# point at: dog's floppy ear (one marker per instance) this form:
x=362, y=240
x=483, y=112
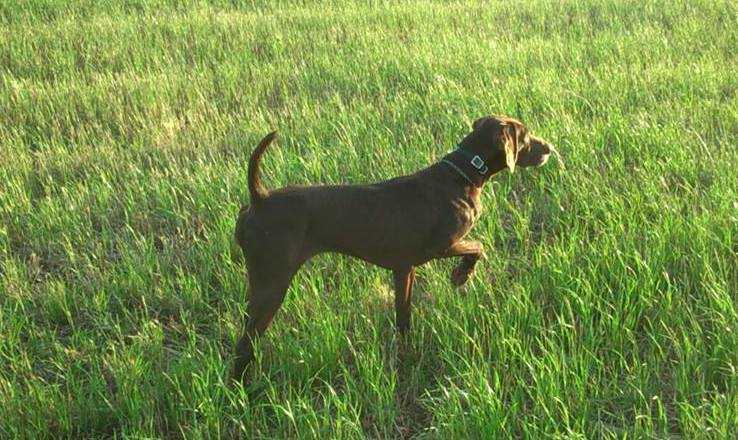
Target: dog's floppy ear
x=511, y=146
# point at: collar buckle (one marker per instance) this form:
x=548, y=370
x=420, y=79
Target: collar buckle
x=478, y=163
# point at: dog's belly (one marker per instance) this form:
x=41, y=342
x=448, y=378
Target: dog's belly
x=378, y=239
x=389, y=227
x=387, y=255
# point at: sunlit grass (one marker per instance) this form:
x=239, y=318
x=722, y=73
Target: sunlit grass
x=606, y=306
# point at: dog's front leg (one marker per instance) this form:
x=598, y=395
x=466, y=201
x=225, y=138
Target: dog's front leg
x=471, y=252
x=403, y=295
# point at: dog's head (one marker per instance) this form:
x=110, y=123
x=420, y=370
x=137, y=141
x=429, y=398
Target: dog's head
x=505, y=142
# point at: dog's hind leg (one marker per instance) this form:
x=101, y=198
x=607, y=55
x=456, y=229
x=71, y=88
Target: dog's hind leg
x=274, y=248
x=265, y=297
x=270, y=270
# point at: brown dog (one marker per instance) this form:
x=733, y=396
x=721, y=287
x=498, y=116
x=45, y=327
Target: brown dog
x=396, y=224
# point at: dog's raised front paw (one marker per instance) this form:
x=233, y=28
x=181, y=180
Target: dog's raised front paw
x=460, y=275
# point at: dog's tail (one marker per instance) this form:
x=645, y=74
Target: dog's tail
x=256, y=189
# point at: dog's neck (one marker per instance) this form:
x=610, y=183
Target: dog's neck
x=472, y=167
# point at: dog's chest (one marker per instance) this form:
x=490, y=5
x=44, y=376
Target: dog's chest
x=473, y=204
x=468, y=205
x=471, y=213
x=466, y=212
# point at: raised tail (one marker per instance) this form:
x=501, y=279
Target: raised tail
x=256, y=189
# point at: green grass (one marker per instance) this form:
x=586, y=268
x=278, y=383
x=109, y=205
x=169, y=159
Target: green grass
x=607, y=306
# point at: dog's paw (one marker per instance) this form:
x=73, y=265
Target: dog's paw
x=460, y=275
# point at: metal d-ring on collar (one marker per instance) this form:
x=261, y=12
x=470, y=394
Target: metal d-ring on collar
x=475, y=161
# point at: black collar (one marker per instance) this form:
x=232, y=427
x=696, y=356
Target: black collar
x=469, y=166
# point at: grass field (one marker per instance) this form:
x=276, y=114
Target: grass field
x=607, y=306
